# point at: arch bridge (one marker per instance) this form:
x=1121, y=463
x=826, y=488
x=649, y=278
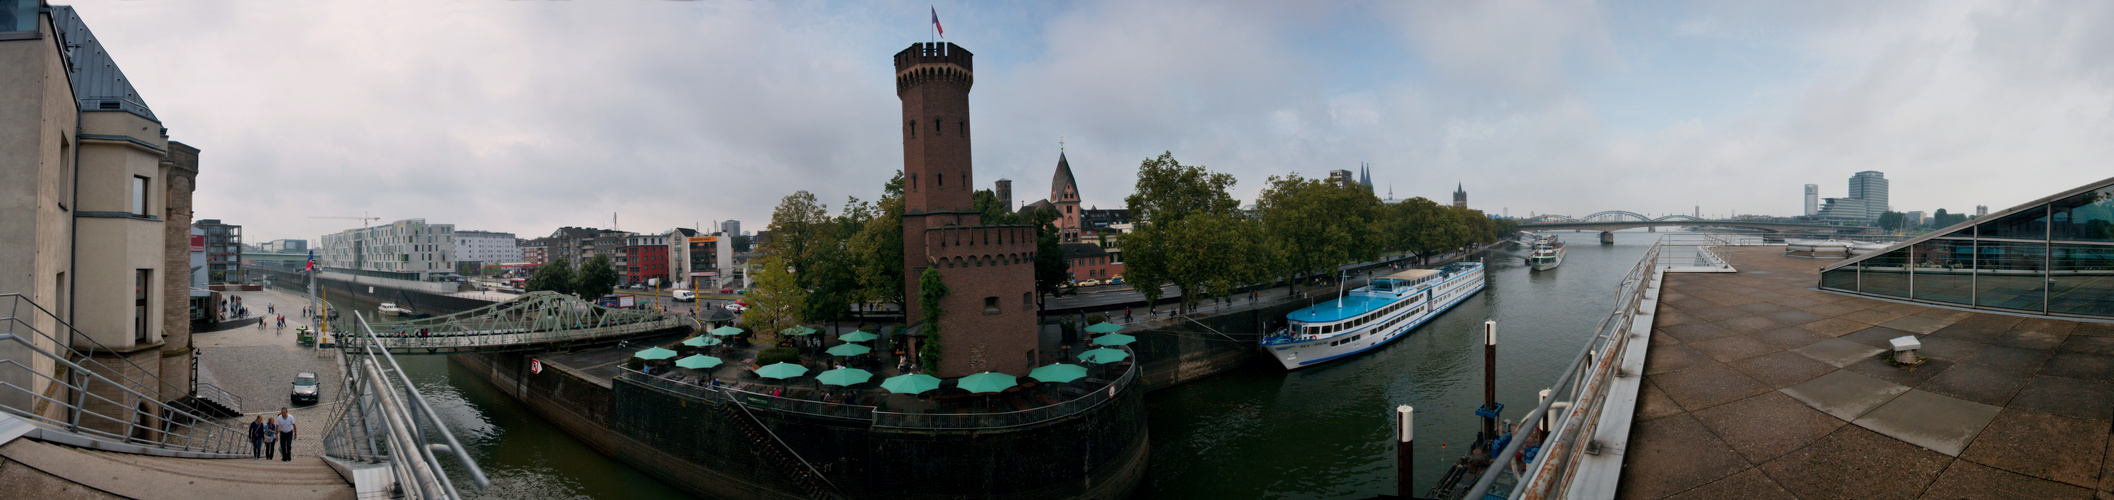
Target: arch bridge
x=537, y=320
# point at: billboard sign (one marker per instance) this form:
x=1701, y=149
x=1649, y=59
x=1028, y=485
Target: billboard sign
x=198, y=243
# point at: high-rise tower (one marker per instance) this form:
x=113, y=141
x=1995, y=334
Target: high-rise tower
x=1812, y=199
x=988, y=318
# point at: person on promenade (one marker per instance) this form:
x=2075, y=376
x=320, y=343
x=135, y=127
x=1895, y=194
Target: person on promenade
x=1126, y=315
x=286, y=435
x=260, y=323
x=257, y=430
x=271, y=436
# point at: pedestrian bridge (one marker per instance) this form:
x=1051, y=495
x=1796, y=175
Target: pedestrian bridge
x=537, y=320
x=1616, y=220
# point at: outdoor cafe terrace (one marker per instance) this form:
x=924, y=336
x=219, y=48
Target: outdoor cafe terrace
x=851, y=380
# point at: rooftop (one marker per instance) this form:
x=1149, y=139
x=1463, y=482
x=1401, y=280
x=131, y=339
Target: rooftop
x=1757, y=385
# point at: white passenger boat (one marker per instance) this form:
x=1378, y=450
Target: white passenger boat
x=1547, y=253
x=390, y=309
x=1371, y=315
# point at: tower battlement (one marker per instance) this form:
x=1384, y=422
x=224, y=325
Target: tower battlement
x=980, y=245
x=943, y=63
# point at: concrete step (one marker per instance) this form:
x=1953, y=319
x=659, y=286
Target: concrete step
x=142, y=476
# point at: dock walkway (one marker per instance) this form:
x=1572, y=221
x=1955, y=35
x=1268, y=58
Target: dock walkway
x=1758, y=385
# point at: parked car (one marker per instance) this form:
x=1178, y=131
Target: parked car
x=1116, y=280
x=305, y=388
x=1090, y=283
x=638, y=286
x=727, y=290
x=737, y=306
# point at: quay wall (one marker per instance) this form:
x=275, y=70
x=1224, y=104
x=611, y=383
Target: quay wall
x=710, y=447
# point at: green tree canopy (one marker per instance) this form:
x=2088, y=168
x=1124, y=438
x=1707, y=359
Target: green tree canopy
x=774, y=300
x=1167, y=196
x=1891, y=220
x=597, y=277
x=1313, y=226
x=878, y=247
x=931, y=290
x=554, y=276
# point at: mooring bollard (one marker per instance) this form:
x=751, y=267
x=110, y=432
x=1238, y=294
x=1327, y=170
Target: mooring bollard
x=1490, y=406
x=1405, y=450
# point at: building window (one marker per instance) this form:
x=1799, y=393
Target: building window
x=1027, y=301
x=990, y=305
x=913, y=129
x=18, y=15
x=139, y=196
x=142, y=279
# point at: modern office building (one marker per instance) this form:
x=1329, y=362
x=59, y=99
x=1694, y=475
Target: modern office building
x=407, y=249
x=2052, y=256
x=730, y=228
x=486, y=247
x=1812, y=200
x=223, y=251
x=1981, y=210
x=1915, y=217
x=1341, y=178
x=1868, y=199
x=283, y=246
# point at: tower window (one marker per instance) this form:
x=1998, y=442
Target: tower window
x=990, y=305
x=965, y=128
x=940, y=179
x=935, y=125
x=913, y=129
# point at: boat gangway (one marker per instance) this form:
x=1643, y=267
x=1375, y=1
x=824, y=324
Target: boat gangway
x=537, y=320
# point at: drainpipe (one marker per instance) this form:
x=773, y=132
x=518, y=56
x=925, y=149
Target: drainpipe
x=73, y=275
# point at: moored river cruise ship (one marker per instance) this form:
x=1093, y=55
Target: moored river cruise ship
x=1371, y=315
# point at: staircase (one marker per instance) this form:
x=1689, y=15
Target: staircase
x=144, y=476
x=802, y=474
x=209, y=398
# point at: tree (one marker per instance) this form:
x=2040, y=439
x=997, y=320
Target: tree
x=554, y=276
x=878, y=246
x=1891, y=220
x=1053, y=272
x=993, y=211
x=931, y=290
x=1313, y=226
x=1167, y=195
x=796, y=224
x=741, y=243
x=1421, y=227
x=597, y=277
x=774, y=300
x=832, y=273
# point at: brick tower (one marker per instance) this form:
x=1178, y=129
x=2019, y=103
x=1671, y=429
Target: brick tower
x=989, y=318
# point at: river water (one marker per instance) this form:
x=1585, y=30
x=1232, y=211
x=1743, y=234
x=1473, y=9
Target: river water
x=1256, y=432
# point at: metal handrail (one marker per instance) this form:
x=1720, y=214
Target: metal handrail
x=145, y=422
x=1608, y=340
x=386, y=418
x=534, y=318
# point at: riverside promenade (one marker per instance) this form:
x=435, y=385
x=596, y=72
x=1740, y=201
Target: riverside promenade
x=1758, y=385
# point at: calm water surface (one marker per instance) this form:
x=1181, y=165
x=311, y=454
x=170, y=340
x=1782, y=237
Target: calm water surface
x=1328, y=431
x=1258, y=432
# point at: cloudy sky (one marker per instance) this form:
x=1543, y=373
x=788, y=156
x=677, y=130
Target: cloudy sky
x=525, y=116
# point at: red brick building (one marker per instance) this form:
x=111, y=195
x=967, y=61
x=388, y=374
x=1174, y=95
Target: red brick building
x=1091, y=262
x=645, y=257
x=988, y=323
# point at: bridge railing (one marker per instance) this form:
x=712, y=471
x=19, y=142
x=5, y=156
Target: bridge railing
x=48, y=378
x=386, y=420
x=413, y=340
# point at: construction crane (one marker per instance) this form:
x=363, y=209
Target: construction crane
x=363, y=218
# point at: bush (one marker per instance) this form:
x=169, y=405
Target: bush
x=635, y=364
x=777, y=355
x=1096, y=318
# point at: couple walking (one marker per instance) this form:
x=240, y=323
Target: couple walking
x=264, y=432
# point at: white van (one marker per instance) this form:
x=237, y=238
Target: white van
x=683, y=296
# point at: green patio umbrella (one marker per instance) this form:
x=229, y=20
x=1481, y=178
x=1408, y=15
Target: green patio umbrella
x=697, y=361
x=1058, y=373
x=849, y=350
x=797, y=330
x=845, y=376
x=1103, y=356
x=858, y=336
x=700, y=341
x=1115, y=339
x=987, y=382
x=1104, y=327
x=725, y=331
x=656, y=354
x=781, y=370
x=911, y=384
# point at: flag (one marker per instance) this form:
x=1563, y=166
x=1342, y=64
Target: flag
x=936, y=22
x=311, y=266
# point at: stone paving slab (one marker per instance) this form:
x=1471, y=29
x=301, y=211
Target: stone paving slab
x=1918, y=324
x=1976, y=383
x=2067, y=397
x=1781, y=369
x=1749, y=485
x=1971, y=481
x=2051, y=447
x=1846, y=395
x=1674, y=454
x=1768, y=425
x=1936, y=422
x=1854, y=462
x=1838, y=352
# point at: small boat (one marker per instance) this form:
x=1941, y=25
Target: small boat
x=390, y=309
x=1373, y=315
x=1548, y=253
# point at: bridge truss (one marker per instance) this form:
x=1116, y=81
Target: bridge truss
x=537, y=320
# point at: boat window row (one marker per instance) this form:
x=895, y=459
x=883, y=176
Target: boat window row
x=1361, y=320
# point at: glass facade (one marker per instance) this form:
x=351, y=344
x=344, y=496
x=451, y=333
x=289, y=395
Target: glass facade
x=18, y=15
x=2051, y=257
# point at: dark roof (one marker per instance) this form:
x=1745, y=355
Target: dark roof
x=1037, y=205
x=1075, y=250
x=98, y=84
x=1063, y=179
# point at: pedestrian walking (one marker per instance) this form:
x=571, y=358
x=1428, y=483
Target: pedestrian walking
x=271, y=437
x=257, y=430
x=286, y=435
x=1126, y=315
x=260, y=323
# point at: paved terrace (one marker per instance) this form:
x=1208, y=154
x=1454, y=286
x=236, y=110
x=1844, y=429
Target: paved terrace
x=1759, y=386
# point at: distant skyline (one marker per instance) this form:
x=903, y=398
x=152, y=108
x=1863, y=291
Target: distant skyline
x=525, y=116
